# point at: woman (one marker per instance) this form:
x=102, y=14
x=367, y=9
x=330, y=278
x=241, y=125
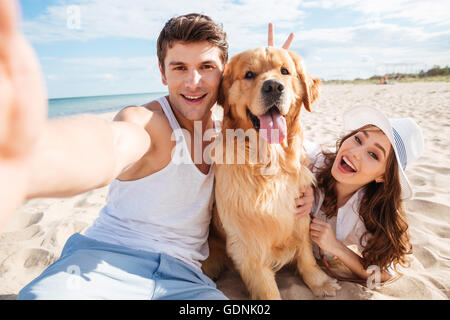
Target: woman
x=360, y=191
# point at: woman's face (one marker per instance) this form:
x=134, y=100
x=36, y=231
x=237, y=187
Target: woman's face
x=362, y=158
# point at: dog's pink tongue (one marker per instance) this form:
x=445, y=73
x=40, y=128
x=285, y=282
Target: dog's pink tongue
x=274, y=123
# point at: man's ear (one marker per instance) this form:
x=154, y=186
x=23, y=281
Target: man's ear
x=163, y=76
x=309, y=84
x=222, y=97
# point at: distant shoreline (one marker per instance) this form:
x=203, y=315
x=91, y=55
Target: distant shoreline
x=402, y=80
x=60, y=107
x=332, y=81
x=109, y=95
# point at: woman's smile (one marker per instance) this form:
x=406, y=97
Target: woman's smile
x=346, y=166
x=361, y=158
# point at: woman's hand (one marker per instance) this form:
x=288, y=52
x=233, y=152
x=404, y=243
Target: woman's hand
x=286, y=44
x=323, y=235
x=303, y=204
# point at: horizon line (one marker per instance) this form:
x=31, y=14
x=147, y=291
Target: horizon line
x=105, y=95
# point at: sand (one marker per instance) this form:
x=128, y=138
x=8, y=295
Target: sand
x=36, y=234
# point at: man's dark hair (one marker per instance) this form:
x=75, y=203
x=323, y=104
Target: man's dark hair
x=191, y=27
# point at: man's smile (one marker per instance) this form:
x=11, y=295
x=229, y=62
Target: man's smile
x=193, y=99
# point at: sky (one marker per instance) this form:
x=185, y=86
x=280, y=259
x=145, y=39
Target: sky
x=101, y=47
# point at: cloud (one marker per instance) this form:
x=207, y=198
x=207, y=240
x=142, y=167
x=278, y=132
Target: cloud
x=112, y=75
x=416, y=11
x=387, y=32
x=363, y=50
x=366, y=59
x=142, y=19
x=245, y=22
x=381, y=41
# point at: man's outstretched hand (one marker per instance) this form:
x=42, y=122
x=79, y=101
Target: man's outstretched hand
x=23, y=109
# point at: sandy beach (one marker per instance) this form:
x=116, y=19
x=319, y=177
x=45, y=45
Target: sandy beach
x=36, y=234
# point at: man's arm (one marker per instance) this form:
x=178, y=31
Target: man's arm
x=50, y=158
x=78, y=154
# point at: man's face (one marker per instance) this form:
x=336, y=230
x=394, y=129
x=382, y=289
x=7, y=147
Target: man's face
x=192, y=72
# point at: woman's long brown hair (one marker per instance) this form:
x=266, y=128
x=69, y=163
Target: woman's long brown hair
x=381, y=210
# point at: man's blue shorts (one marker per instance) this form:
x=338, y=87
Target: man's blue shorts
x=90, y=269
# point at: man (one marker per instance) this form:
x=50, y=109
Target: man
x=152, y=234
x=150, y=237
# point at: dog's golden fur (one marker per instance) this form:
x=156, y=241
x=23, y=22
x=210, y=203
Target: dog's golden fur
x=253, y=218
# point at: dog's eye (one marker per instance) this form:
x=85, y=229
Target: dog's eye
x=284, y=70
x=249, y=75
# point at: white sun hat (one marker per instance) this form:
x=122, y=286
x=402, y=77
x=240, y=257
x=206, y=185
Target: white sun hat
x=404, y=134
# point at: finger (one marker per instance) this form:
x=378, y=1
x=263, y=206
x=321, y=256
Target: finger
x=288, y=41
x=303, y=190
x=315, y=220
x=308, y=196
x=308, y=199
x=270, y=35
x=27, y=111
x=299, y=202
x=319, y=221
x=315, y=236
x=316, y=227
x=302, y=211
x=301, y=214
x=299, y=209
x=7, y=30
x=8, y=16
x=307, y=191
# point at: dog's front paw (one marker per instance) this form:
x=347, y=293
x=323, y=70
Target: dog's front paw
x=328, y=288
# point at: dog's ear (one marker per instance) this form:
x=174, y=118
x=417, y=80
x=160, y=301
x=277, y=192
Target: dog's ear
x=310, y=85
x=222, y=98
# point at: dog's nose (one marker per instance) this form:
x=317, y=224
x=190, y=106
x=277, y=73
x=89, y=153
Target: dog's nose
x=273, y=87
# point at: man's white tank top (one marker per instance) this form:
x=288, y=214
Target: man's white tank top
x=168, y=211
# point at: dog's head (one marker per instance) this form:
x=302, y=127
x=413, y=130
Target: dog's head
x=264, y=88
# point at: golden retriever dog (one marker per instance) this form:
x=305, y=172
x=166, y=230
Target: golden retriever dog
x=254, y=222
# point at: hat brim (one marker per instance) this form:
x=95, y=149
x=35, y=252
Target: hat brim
x=359, y=116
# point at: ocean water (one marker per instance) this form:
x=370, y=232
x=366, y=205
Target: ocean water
x=61, y=107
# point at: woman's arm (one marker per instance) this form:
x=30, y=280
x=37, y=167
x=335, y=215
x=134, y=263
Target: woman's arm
x=354, y=262
x=323, y=235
